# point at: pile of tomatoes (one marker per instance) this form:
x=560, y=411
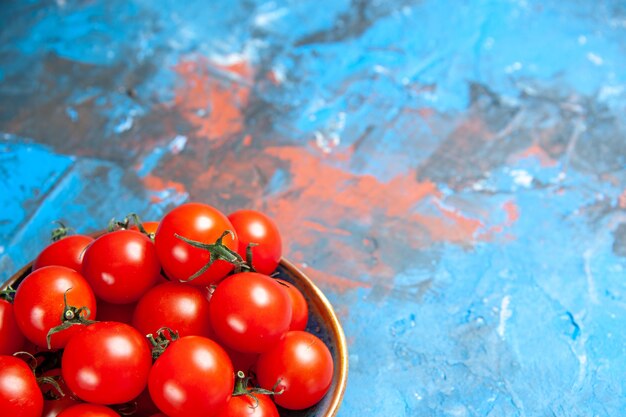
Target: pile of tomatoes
x=177, y=318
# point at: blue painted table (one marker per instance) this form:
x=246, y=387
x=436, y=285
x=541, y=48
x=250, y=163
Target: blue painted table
x=451, y=174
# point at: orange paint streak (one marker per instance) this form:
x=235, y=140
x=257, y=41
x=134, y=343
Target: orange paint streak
x=318, y=227
x=271, y=76
x=154, y=183
x=336, y=282
x=540, y=154
x=512, y=212
x=221, y=100
x=464, y=226
x=330, y=193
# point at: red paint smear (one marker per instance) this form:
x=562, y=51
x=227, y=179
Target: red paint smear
x=154, y=183
x=465, y=228
x=334, y=281
x=272, y=77
x=318, y=227
x=222, y=99
x=512, y=212
x=540, y=154
x=331, y=194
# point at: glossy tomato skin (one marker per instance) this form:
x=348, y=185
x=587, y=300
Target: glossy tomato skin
x=52, y=408
x=246, y=406
x=149, y=227
x=253, y=226
x=88, y=410
x=66, y=252
x=11, y=337
x=303, y=367
x=178, y=306
x=106, y=363
x=242, y=361
x=250, y=312
x=192, y=378
x=201, y=223
x=38, y=303
x=19, y=393
x=299, y=306
x=145, y=405
x=121, y=266
x=122, y=313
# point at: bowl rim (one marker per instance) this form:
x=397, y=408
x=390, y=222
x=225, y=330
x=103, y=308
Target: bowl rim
x=342, y=346
x=322, y=303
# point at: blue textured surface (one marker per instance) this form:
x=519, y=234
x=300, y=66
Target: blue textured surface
x=451, y=174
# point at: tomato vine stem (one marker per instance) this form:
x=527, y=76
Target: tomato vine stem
x=60, y=232
x=71, y=316
x=217, y=252
x=242, y=388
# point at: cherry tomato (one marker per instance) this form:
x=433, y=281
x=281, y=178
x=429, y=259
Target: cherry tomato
x=302, y=366
x=19, y=393
x=180, y=307
x=122, y=313
x=250, y=312
x=242, y=361
x=88, y=410
x=149, y=227
x=121, y=266
x=192, y=378
x=52, y=408
x=66, y=252
x=253, y=226
x=11, y=337
x=145, y=405
x=38, y=303
x=197, y=222
x=299, y=307
x=107, y=363
x=246, y=406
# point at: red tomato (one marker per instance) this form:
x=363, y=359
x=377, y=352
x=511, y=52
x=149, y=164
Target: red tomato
x=149, y=227
x=180, y=307
x=299, y=307
x=303, y=367
x=242, y=361
x=52, y=408
x=39, y=304
x=145, y=405
x=121, y=266
x=192, y=378
x=19, y=392
x=250, y=312
x=253, y=226
x=107, y=363
x=67, y=252
x=11, y=338
x=201, y=223
x=88, y=410
x=122, y=313
x=247, y=406
x=51, y=391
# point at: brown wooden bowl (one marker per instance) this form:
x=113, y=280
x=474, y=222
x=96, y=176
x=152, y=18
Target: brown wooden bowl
x=323, y=323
